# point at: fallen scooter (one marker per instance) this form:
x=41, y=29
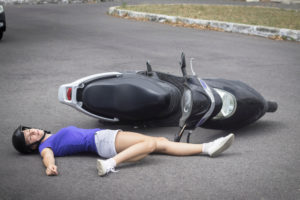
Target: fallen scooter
x=152, y=98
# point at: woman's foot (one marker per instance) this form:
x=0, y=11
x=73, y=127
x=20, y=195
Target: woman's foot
x=104, y=167
x=217, y=146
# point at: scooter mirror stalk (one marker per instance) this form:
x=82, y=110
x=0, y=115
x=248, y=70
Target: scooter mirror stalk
x=183, y=65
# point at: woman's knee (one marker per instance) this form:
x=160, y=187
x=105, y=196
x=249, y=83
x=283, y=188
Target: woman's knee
x=155, y=144
x=161, y=144
x=151, y=145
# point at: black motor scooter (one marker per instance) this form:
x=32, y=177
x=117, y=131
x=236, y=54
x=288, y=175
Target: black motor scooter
x=151, y=98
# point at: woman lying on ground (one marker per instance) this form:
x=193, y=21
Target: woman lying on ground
x=115, y=145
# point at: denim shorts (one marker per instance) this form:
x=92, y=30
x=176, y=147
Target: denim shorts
x=105, y=143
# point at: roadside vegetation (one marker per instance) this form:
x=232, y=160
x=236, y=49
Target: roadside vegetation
x=253, y=15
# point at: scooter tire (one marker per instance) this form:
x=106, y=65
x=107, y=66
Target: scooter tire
x=272, y=106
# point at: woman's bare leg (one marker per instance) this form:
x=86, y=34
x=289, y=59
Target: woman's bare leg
x=132, y=146
x=177, y=148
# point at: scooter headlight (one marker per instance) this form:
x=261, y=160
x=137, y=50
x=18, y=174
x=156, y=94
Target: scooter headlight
x=229, y=104
x=1, y=9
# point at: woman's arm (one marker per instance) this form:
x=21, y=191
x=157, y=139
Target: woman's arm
x=49, y=162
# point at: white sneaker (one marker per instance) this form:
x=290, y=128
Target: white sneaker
x=103, y=168
x=219, y=145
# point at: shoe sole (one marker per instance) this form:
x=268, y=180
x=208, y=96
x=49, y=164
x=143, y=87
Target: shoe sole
x=226, y=144
x=101, y=171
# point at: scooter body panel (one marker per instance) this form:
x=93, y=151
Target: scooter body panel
x=250, y=105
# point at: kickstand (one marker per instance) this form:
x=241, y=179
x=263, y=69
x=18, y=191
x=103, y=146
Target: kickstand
x=188, y=136
x=178, y=135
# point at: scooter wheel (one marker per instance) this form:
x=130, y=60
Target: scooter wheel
x=272, y=106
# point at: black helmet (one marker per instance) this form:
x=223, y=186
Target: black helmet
x=19, y=143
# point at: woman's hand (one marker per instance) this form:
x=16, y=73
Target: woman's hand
x=51, y=170
x=49, y=162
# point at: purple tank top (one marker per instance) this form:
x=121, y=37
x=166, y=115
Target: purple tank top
x=71, y=140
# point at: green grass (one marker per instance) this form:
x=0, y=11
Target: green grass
x=273, y=17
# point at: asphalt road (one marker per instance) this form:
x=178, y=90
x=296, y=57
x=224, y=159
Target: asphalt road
x=48, y=45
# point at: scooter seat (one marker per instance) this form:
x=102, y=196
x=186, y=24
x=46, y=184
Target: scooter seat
x=130, y=98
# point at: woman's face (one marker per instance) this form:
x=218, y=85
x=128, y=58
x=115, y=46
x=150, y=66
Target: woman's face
x=32, y=135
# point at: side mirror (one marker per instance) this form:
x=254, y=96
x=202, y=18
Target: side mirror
x=149, y=69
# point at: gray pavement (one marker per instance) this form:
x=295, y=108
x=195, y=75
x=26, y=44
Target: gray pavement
x=48, y=45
